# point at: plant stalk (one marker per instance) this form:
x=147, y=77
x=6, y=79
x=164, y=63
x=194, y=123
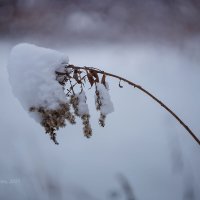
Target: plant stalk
x=144, y=91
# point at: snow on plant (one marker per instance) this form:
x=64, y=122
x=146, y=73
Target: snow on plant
x=39, y=78
x=78, y=102
x=103, y=102
x=52, y=90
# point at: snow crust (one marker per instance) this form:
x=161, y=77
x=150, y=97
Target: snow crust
x=107, y=105
x=32, y=76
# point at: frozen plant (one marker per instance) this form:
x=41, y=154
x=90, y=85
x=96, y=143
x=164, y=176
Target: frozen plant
x=46, y=86
x=78, y=102
x=103, y=102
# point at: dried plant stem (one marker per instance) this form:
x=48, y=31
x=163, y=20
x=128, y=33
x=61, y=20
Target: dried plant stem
x=141, y=89
x=128, y=191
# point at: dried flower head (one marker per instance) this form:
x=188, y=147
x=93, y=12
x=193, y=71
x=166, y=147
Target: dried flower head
x=103, y=102
x=53, y=119
x=87, y=130
x=98, y=102
x=102, y=119
x=74, y=101
x=78, y=102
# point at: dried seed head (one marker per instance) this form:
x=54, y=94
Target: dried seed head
x=74, y=101
x=102, y=119
x=80, y=107
x=98, y=102
x=53, y=119
x=70, y=117
x=87, y=130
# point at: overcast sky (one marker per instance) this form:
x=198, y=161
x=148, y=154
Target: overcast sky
x=140, y=140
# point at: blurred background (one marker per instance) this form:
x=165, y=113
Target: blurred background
x=142, y=153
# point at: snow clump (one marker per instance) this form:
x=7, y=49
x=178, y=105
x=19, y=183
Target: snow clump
x=103, y=102
x=32, y=76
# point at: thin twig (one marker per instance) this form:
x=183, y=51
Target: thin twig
x=143, y=90
x=72, y=86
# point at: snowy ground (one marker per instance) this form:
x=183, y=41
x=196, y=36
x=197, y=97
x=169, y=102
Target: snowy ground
x=140, y=140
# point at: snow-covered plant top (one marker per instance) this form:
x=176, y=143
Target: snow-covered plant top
x=52, y=90
x=32, y=76
x=42, y=83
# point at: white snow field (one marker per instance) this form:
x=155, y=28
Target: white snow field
x=140, y=140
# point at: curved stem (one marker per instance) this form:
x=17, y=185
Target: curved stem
x=143, y=90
